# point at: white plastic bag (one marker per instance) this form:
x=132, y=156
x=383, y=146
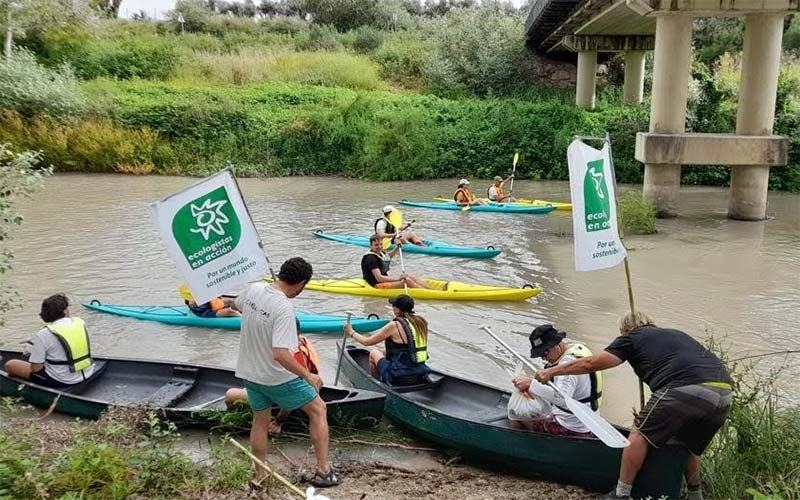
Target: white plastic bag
x=524, y=406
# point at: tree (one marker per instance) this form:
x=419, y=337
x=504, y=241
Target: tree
x=19, y=178
x=109, y=8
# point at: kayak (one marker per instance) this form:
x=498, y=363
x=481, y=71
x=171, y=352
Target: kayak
x=471, y=418
x=523, y=201
x=181, y=315
x=508, y=208
x=184, y=393
x=442, y=290
x=432, y=247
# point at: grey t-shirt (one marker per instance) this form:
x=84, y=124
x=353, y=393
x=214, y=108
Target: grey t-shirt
x=268, y=321
x=47, y=346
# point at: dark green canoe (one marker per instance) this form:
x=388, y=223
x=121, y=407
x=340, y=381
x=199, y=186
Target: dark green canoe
x=470, y=418
x=182, y=392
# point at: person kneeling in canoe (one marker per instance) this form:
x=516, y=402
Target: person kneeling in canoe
x=60, y=353
x=548, y=343
x=375, y=268
x=387, y=230
x=406, y=345
x=495, y=191
x=218, y=307
x=464, y=196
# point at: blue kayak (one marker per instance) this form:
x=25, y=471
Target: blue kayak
x=507, y=208
x=181, y=315
x=431, y=248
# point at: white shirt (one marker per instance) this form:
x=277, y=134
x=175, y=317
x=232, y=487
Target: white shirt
x=47, y=346
x=493, y=194
x=268, y=321
x=575, y=386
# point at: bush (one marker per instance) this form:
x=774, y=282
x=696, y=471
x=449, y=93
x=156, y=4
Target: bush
x=29, y=88
x=367, y=39
x=637, y=215
x=324, y=37
x=196, y=16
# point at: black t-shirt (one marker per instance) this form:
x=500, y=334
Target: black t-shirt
x=368, y=263
x=662, y=357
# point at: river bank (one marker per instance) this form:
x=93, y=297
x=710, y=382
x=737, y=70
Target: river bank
x=128, y=453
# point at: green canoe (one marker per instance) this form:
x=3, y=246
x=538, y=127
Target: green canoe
x=471, y=418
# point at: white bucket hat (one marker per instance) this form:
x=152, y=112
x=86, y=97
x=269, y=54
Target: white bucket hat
x=463, y=182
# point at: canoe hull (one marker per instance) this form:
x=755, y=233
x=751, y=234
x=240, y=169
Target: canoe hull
x=136, y=383
x=444, y=290
x=557, y=205
x=180, y=315
x=507, y=208
x=433, y=247
x=472, y=421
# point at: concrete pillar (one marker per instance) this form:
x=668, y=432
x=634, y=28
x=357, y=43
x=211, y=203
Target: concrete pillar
x=757, y=92
x=587, y=79
x=662, y=182
x=633, y=88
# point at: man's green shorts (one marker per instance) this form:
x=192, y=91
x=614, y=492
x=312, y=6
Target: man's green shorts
x=290, y=395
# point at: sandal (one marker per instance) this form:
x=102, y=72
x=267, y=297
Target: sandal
x=327, y=480
x=274, y=428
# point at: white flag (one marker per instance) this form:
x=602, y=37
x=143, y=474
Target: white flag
x=594, y=210
x=210, y=236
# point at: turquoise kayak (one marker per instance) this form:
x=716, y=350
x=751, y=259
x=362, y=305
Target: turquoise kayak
x=507, y=208
x=181, y=315
x=431, y=248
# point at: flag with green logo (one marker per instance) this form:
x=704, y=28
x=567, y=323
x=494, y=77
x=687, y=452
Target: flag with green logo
x=594, y=210
x=210, y=236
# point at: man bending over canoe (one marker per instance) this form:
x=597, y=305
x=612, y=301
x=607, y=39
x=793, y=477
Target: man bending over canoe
x=375, y=268
x=271, y=375
x=691, y=394
x=548, y=343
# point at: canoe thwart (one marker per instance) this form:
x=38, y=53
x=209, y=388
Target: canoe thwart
x=183, y=380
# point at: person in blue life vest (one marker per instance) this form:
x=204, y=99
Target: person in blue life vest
x=60, y=353
x=548, y=343
x=403, y=362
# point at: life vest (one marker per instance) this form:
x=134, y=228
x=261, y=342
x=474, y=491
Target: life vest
x=390, y=228
x=595, y=396
x=306, y=355
x=385, y=261
x=217, y=304
x=416, y=342
x=500, y=193
x=467, y=195
x=75, y=341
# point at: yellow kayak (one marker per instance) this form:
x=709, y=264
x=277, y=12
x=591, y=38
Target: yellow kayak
x=441, y=290
x=522, y=201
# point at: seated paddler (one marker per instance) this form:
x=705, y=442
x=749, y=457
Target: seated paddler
x=548, y=343
x=375, y=268
x=405, y=338
x=218, y=307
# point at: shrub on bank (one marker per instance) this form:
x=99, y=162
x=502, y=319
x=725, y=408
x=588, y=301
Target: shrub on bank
x=29, y=88
x=637, y=215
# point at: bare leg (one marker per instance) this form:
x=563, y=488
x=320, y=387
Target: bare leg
x=18, y=368
x=259, y=435
x=693, y=477
x=374, y=356
x=227, y=313
x=633, y=457
x=415, y=282
x=318, y=421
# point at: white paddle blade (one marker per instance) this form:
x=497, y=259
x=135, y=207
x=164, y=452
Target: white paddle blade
x=604, y=431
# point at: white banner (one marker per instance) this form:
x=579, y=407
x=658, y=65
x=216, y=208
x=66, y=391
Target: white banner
x=210, y=236
x=594, y=210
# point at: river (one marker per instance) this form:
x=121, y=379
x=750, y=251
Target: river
x=91, y=236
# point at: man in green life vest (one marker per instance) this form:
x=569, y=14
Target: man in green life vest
x=60, y=352
x=548, y=343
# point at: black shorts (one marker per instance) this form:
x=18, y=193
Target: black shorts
x=42, y=378
x=690, y=415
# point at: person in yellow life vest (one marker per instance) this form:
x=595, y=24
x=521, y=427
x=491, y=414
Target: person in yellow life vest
x=388, y=227
x=403, y=362
x=547, y=343
x=60, y=353
x=305, y=354
x=218, y=307
x=495, y=191
x=464, y=196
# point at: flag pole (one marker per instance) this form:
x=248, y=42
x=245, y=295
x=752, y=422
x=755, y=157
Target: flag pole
x=229, y=166
x=607, y=140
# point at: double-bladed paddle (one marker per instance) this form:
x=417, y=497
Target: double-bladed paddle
x=593, y=421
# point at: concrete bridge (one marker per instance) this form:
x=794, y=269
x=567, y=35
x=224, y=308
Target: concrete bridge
x=562, y=28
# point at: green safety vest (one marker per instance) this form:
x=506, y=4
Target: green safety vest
x=596, y=379
x=417, y=343
x=75, y=341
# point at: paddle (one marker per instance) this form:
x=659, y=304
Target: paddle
x=513, y=171
x=402, y=266
x=341, y=352
x=597, y=425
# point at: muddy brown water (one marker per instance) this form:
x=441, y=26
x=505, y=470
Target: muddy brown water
x=91, y=236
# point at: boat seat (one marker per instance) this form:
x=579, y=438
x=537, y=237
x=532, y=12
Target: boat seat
x=183, y=379
x=433, y=380
x=80, y=388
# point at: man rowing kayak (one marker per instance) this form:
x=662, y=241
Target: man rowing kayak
x=387, y=227
x=495, y=191
x=375, y=268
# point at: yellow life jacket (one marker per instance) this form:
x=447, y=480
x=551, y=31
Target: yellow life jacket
x=75, y=341
x=596, y=378
x=417, y=342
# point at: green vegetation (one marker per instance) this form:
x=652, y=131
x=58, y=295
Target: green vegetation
x=637, y=214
